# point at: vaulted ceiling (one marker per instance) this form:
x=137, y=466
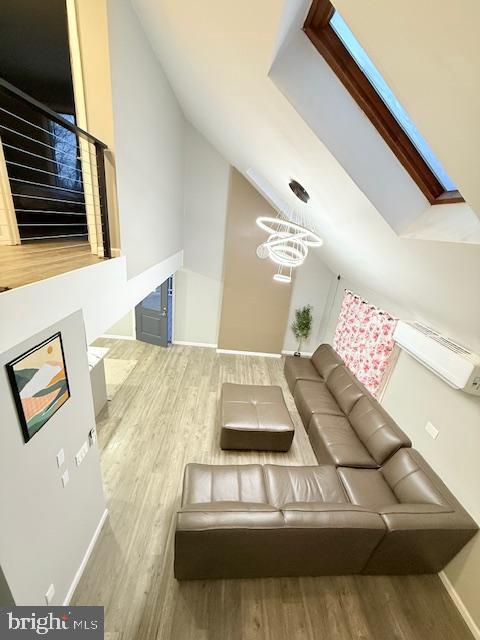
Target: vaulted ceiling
x=217, y=56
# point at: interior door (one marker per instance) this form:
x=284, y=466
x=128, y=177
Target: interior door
x=152, y=315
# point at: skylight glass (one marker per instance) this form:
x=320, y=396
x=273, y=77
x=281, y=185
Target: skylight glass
x=371, y=72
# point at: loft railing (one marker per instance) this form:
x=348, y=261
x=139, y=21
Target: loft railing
x=56, y=173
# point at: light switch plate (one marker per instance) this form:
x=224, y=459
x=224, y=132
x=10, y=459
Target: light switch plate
x=65, y=478
x=431, y=430
x=50, y=593
x=82, y=452
x=60, y=457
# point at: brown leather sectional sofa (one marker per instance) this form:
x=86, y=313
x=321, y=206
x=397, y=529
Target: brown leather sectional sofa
x=346, y=425
x=372, y=505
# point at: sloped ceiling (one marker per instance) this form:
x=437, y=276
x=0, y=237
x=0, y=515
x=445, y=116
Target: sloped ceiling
x=217, y=56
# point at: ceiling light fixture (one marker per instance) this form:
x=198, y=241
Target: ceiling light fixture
x=280, y=277
x=287, y=244
x=283, y=275
x=301, y=193
x=290, y=235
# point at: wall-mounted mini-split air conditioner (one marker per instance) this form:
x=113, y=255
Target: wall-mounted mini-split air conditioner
x=454, y=364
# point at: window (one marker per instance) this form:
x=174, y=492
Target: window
x=333, y=39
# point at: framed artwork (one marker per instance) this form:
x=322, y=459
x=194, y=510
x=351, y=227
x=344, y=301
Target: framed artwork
x=39, y=384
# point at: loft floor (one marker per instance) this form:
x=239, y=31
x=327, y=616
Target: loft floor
x=164, y=416
x=34, y=261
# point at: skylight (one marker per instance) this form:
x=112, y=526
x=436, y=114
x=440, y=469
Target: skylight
x=371, y=72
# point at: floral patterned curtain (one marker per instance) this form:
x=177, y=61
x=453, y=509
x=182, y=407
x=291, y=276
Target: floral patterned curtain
x=364, y=339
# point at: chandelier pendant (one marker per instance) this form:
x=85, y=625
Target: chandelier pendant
x=287, y=244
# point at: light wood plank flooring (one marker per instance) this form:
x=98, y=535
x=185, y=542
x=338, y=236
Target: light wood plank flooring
x=164, y=416
x=33, y=261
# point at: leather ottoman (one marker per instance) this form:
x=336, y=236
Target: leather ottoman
x=255, y=417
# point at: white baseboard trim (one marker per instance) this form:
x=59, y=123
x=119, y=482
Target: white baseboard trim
x=112, y=336
x=460, y=606
x=186, y=343
x=259, y=354
x=84, y=561
x=306, y=354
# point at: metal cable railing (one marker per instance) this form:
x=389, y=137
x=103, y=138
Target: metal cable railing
x=56, y=172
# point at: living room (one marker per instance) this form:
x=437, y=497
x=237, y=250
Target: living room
x=299, y=460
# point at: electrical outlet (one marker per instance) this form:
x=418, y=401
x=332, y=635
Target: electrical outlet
x=60, y=457
x=50, y=593
x=431, y=430
x=65, y=478
x=82, y=452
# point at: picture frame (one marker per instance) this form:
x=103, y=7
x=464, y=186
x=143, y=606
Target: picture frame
x=39, y=382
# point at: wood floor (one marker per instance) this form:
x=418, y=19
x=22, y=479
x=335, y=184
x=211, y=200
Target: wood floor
x=33, y=261
x=164, y=416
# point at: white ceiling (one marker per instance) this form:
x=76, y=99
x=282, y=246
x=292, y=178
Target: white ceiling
x=217, y=56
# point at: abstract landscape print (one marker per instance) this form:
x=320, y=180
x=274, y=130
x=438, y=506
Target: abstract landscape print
x=39, y=384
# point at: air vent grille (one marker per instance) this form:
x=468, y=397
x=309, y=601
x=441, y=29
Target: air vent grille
x=453, y=346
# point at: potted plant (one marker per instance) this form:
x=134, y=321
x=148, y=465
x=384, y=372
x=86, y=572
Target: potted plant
x=302, y=326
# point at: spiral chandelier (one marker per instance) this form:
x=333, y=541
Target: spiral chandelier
x=288, y=239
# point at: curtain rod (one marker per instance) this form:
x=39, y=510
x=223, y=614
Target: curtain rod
x=372, y=306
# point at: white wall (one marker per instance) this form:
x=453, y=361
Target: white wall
x=415, y=396
x=102, y=291
x=311, y=285
x=46, y=528
x=149, y=141
x=125, y=327
x=198, y=286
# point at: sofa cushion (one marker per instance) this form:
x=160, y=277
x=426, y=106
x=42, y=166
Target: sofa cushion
x=335, y=442
x=299, y=369
x=205, y=483
x=314, y=397
x=287, y=484
x=325, y=360
x=345, y=388
x=367, y=487
x=380, y=434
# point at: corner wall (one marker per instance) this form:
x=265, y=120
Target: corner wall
x=46, y=529
x=254, y=306
x=149, y=145
x=199, y=284
x=311, y=285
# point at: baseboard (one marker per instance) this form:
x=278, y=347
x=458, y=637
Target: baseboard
x=112, y=336
x=186, y=343
x=305, y=354
x=116, y=253
x=84, y=561
x=259, y=354
x=471, y=624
